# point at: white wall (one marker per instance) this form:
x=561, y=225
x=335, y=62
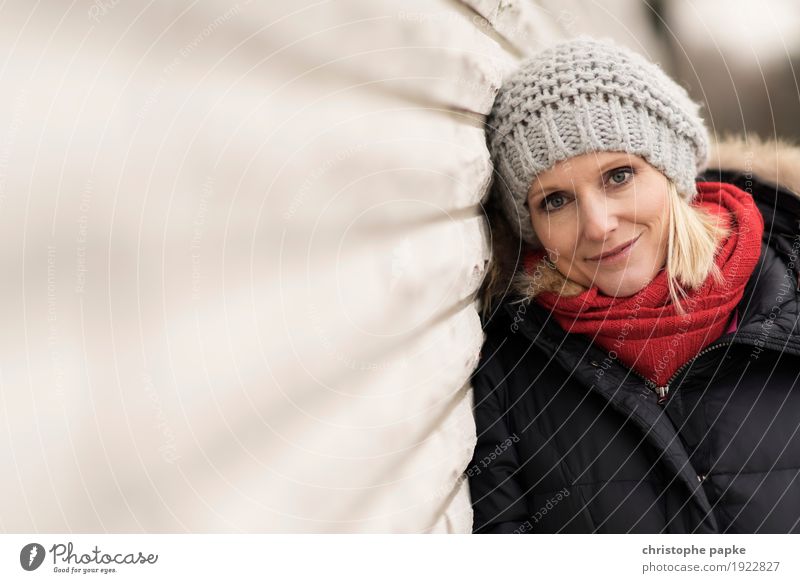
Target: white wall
x=241, y=243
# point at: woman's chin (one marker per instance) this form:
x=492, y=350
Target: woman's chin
x=622, y=289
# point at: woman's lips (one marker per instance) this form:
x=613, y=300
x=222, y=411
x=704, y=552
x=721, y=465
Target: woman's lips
x=618, y=255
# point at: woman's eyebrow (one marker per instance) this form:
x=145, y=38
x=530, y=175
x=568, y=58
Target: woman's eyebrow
x=618, y=162
x=615, y=163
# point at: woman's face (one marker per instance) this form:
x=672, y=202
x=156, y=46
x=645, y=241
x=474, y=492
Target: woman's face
x=585, y=207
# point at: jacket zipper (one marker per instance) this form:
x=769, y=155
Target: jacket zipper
x=663, y=392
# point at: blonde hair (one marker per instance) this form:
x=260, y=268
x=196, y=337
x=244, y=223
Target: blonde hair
x=694, y=237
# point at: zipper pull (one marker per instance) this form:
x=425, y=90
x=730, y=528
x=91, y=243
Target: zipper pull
x=662, y=394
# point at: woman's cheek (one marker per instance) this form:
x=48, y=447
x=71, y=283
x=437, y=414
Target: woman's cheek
x=557, y=228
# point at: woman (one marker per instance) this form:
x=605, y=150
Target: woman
x=642, y=353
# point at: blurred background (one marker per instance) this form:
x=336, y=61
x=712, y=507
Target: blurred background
x=242, y=242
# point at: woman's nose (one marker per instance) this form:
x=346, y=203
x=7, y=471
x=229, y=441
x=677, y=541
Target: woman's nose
x=599, y=217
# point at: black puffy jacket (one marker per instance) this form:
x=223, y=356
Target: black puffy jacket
x=570, y=440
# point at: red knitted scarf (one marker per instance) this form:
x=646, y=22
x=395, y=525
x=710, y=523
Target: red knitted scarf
x=644, y=330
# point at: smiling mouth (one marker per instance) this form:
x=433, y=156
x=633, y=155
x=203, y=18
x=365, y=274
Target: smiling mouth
x=616, y=250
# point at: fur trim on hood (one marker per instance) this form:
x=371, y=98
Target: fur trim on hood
x=773, y=161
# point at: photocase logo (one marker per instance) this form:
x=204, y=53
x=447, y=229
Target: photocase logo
x=66, y=560
x=31, y=556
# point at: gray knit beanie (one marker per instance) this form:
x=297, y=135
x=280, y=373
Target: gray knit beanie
x=590, y=95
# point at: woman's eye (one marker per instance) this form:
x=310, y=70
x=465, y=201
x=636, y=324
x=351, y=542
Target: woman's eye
x=552, y=202
x=621, y=175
